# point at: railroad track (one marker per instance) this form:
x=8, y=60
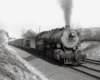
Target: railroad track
x=92, y=61
x=85, y=69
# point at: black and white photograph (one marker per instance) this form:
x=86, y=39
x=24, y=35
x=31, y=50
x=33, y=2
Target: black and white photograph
x=49, y=39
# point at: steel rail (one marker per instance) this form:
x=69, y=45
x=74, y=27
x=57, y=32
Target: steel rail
x=90, y=68
x=87, y=73
x=93, y=61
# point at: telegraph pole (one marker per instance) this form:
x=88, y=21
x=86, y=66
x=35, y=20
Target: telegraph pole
x=39, y=28
x=36, y=30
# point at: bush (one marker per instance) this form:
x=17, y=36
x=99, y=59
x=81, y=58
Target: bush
x=92, y=34
x=3, y=38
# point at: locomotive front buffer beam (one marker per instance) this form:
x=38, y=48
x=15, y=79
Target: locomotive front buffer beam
x=68, y=57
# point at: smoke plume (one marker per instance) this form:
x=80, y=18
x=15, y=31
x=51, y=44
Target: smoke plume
x=66, y=6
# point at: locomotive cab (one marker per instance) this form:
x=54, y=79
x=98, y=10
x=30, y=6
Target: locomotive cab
x=40, y=46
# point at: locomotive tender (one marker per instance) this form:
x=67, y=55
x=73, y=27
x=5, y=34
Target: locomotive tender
x=60, y=44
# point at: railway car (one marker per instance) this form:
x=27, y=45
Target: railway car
x=18, y=43
x=61, y=44
x=25, y=43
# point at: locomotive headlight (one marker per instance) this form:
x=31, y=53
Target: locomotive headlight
x=73, y=34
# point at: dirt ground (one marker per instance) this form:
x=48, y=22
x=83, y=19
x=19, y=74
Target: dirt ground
x=53, y=70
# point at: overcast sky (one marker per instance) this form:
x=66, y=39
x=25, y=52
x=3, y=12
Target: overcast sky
x=16, y=15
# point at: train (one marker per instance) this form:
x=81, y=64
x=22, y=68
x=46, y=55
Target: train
x=61, y=44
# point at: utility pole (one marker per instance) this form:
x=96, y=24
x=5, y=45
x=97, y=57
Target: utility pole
x=36, y=30
x=39, y=28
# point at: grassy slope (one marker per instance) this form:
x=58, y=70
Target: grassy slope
x=13, y=67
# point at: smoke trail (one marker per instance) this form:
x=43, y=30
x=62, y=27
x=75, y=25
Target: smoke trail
x=66, y=6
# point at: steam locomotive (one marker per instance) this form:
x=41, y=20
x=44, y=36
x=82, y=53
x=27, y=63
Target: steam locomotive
x=61, y=44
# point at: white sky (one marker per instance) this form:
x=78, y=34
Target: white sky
x=16, y=15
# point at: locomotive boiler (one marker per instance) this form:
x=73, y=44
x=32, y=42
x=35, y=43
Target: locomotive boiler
x=60, y=44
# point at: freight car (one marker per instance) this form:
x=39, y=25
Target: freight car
x=61, y=44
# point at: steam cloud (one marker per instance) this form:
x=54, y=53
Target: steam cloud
x=66, y=6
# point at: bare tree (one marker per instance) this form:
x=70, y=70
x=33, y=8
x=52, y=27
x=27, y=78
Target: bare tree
x=28, y=33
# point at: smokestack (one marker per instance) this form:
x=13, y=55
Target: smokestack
x=66, y=7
